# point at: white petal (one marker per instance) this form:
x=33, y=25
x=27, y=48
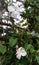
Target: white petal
x=18, y=56
x=29, y=7
x=4, y=27
x=14, y=0
x=24, y=21
x=23, y=52
x=4, y=21
x=16, y=21
x=8, y=27
x=24, y=26
x=20, y=52
x=21, y=9
x=10, y=8
x=3, y=34
x=19, y=3
x=14, y=14
x=9, y=22
x=5, y=14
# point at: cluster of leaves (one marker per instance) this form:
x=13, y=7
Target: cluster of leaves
x=23, y=38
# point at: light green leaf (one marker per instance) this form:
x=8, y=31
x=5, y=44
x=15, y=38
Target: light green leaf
x=37, y=35
x=2, y=49
x=12, y=41
x=37, y=58
x=29, y=47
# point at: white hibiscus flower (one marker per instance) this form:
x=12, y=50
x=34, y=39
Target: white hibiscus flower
x=20, y=52
x=15, y=8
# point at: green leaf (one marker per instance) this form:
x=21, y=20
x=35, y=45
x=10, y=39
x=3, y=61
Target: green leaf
x=37, y=35
x=37, y=58
x=29, y=47
x=37, y=18
x=12, y=41
x=2, y=49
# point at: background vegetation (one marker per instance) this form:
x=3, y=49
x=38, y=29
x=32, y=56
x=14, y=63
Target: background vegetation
x=26, y=38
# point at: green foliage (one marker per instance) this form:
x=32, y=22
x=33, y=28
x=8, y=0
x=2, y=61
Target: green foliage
x=2, y=49
x=23, y=38
x=37, y=58
x=12, y=41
